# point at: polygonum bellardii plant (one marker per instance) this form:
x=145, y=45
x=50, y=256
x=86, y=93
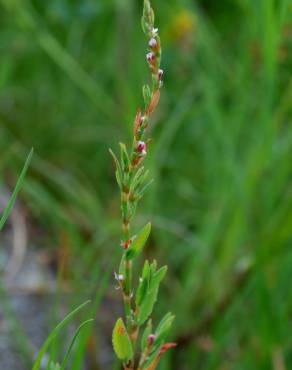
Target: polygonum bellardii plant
x=132, y=179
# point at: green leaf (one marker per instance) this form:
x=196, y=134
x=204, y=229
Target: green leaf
x=146, y=333
x=121, y=341
x=153, y=267
x=137, y=179
x=15, y=191
x=150, y=297
x=144, y=178
x=163, y=328
x=118, y=178
x=150, y=360
x=146, y=95
x=146, y=269
x=138, y=243
x=147, y=306
x=144, y=189
x=165, y=323
x=118, y=168
x=125, y=158
x=143, y=284
x=159, y=275
x=153, y=360
x=51, y=337
x=122, y=265
x=144, y=25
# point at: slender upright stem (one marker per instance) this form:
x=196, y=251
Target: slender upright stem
x=130, y=174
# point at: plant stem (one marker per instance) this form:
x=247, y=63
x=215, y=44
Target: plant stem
x=129, y=173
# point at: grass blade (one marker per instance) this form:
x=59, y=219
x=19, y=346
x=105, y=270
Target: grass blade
x=12, y=199
x=66, y=357
x=53, y=334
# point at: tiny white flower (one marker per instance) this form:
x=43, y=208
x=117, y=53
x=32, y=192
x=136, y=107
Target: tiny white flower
x=154, y=31
x=119, y=277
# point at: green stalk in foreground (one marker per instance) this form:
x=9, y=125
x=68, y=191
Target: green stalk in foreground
x=132, y=180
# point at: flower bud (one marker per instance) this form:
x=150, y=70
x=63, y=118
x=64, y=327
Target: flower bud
x=150, y=339
x=150, y=57
x=141, y=148
x=126, y=244
x=153, y=43
x=119, y=277
x=160, y=74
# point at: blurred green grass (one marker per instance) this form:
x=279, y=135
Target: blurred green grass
x=221, y=203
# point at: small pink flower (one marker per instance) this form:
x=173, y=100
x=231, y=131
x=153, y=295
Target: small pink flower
x=160, y=74
x=152, y=43
x=150, y=339
x=141, y=148
x=150, y=57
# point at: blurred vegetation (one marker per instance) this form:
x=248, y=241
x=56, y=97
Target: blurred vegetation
x=221, y=203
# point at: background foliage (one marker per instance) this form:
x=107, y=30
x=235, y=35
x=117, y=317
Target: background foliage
x=221, y=203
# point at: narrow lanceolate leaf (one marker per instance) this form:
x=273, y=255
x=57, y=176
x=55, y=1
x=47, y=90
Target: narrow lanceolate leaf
x=122, y=266
x=125, y=158
x=154, y=102
x=137, y=179
x=117, y=163
x=118, y=168
x=121, y=341
x=144, y=189
x=163, y=328
x=147, y=305
x=151, y=296
x=146, y=95
x=139, y=242
x=119, y=180
x=11, y=202
x=159, y=275
x=147, y=332
x=143, y=284
x=154, y=359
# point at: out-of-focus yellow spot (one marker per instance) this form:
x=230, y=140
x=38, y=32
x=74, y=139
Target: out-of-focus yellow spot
x=183, y=27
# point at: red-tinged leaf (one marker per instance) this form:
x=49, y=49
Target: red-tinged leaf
x=121, y=341
x=166, y=347
x=156, y=360
x=154, y=102
x=137, y=122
